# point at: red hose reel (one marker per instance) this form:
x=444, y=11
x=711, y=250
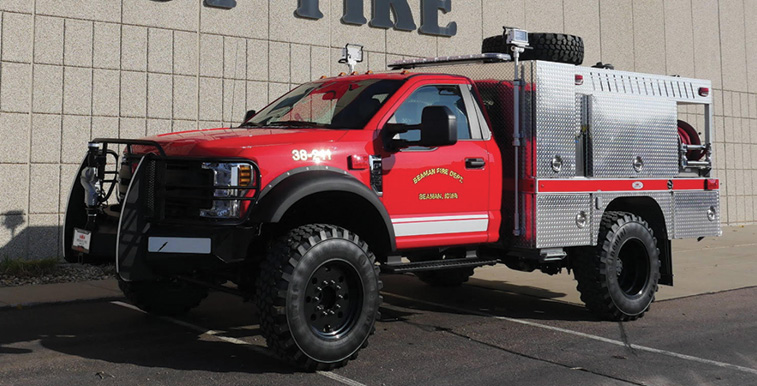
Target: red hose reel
x=689, y=136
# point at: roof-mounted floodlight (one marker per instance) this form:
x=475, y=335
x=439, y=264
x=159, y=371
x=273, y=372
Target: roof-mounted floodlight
x=352, y=54
x=517, y=40
x=516, y=37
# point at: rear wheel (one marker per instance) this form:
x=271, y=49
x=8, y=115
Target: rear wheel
x=618, y=278
x=553, y=47
x=444, y=277
x=318, y=296
x=164, y=297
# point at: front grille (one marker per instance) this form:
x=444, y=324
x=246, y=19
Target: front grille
x=179, y=189
x=185, y=189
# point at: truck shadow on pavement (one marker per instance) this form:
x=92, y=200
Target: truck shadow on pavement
x=122, y=337
x=480, y=297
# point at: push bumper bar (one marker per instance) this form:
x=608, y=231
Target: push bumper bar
x=161, y=206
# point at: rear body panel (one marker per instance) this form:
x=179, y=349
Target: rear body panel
x=581, y=142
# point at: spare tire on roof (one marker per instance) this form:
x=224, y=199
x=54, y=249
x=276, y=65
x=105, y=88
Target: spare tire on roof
x=553, y=47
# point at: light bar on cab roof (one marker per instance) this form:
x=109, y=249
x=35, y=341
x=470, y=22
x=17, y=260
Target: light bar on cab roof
x=441, y=60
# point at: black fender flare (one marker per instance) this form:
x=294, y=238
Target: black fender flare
x=286, y=190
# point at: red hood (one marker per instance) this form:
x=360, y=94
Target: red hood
x=233, y=142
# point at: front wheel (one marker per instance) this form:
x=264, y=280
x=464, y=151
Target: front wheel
x=618, y=278
x=318, y=296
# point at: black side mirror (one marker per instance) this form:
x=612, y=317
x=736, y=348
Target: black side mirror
x=438, y=127
x=248, y=115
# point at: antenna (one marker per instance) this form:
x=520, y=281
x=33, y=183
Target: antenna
x=352, y=54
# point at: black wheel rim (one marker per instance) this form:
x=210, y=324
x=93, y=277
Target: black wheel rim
x=633, y=268
x=333, y=298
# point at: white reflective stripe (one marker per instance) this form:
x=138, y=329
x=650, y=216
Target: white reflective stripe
x=178, y=245
x=440, y=227
x=440, y=218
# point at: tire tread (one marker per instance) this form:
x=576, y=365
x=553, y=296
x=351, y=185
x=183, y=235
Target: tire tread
x=590, y=268
x=275, y=276
x=553, y=47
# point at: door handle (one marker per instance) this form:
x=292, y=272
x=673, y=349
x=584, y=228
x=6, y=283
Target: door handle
x=474, y=163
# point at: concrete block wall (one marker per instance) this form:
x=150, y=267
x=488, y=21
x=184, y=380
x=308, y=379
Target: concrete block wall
x=72, y=70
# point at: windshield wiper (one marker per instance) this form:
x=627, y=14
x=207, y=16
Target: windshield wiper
x=250, y=124
x=299, y=124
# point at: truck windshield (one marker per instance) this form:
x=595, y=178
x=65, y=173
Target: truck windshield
x=337, y=104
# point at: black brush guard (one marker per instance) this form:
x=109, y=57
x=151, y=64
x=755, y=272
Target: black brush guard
x=164, y=199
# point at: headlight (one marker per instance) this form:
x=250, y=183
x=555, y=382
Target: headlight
x=235, y=176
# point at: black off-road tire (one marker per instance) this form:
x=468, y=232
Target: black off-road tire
x=553, y=47
x=618, y=278
x=318, y=296
x=453, y=277
x=163, y=298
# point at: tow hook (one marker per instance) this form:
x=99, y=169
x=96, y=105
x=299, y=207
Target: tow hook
x=91, y=184
x=88, y=180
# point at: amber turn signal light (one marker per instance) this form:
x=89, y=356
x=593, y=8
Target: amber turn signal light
x=245, y=175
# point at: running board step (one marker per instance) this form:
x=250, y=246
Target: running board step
x=435, y=265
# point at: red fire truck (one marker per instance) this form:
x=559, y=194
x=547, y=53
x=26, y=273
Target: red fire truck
x=518, y=156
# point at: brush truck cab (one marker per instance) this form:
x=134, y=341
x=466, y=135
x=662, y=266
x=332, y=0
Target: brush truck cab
x=515, y=157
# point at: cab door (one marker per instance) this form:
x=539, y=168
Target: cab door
x=438, y=196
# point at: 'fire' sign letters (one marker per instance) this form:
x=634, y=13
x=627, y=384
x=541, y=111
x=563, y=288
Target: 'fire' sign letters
x=383, y=13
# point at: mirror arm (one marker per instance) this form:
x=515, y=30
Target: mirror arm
x=392, y=129
x=395, y=145
x=402, y=144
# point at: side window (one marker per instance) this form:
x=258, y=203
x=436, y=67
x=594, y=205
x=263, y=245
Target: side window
x=411, y=110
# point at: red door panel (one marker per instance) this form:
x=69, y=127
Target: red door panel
x=437, y=196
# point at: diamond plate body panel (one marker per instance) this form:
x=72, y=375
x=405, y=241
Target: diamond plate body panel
x=663, y=199
x=623, y=127
x=556, y=224
x=691, y=214
x=554, y=118
x=602, y=81
x=527, y=117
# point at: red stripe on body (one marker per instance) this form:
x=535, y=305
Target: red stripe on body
x=596, y=185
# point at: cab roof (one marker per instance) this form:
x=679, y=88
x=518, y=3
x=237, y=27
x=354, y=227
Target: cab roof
x=398, y=75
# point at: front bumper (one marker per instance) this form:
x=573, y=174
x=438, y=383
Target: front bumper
x=156, y=230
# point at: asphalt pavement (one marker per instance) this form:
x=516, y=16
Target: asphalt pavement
x=501, y=328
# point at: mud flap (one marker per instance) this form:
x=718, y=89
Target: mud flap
x=133, y=227
x=75, y=216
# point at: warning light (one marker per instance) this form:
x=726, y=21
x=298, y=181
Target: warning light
x=579, y=80
x=704, y=91
x=358, y=162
